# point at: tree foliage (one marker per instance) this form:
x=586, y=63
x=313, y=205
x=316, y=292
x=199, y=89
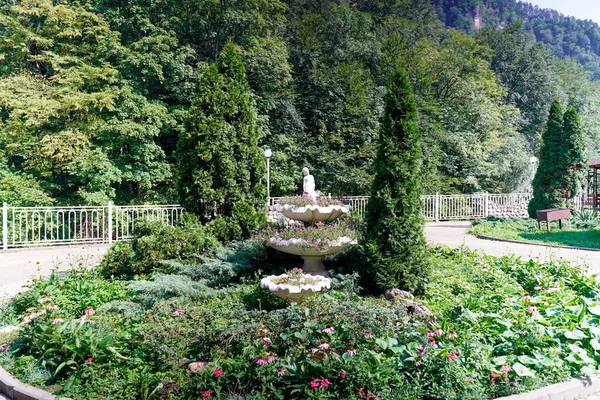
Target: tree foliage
x=220, y=162
x=562, y=161
x=394, y=249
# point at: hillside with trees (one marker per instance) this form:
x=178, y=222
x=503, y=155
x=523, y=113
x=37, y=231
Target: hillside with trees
x=95, y=95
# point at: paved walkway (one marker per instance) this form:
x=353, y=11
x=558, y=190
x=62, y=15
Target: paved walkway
x=17, y=266
x=454, y=234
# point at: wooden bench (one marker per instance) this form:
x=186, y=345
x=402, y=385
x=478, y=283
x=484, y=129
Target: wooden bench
x=553, y=214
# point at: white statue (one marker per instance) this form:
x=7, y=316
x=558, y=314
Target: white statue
x=308, y=184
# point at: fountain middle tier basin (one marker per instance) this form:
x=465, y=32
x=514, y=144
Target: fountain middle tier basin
x=312, y=256
x=312, y=213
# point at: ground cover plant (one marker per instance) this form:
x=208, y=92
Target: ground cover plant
x=502, y=326
x=526, y=230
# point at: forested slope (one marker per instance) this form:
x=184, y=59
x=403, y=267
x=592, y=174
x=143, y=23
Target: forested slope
x=94, y=94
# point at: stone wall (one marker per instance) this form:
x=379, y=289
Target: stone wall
x=511, y=210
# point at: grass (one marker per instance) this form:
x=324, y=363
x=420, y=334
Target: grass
x=526, y=230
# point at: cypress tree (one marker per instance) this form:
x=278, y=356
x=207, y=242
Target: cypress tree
x=219, y=158
x=394, y=251
x=575, y=160
x=562, y=166
x=546, y=183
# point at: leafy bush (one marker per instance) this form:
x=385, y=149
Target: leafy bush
x=243, y=221
x=72, y=292
x=155, y=241
x=587, y=219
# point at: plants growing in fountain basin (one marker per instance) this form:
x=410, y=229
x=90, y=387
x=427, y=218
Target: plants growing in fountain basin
x=316, y=239
x=295, y=285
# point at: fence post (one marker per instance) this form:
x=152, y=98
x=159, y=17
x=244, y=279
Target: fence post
x=5, y=226
x=486, y=205
x=437, y=207
x=110, y=226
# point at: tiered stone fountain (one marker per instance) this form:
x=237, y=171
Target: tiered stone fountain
x=312, y=214
x=299, y=284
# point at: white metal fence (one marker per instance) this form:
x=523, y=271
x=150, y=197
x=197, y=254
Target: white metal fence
x=45, y=226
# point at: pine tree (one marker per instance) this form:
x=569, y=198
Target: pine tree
x=219, y=158
x=546, y=182
x=562, y=166
x=394, y=249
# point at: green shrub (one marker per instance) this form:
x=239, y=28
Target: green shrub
x=587, y=219
x=243, y=221
x=155, y=241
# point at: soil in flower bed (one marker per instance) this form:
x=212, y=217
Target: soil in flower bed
x=503, y=326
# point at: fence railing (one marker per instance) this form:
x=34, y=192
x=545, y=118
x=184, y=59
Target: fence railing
x=46, y=226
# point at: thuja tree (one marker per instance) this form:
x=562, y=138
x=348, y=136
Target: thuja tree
x=219, y=158
x=562, y=161
x=575, y=159
x=394, y=251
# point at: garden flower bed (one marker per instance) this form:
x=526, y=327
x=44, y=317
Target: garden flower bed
x=503, y=326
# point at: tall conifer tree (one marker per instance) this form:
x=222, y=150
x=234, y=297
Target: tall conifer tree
x=546, y=181
x=575, y=160
x=219, y=158
x=562, y=166
x=394, y=250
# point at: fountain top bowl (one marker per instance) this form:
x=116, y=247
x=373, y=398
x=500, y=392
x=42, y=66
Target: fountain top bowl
x=312, y=213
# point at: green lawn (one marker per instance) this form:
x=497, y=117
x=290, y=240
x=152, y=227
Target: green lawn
x=526, y=230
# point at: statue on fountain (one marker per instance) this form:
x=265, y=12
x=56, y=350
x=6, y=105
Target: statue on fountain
x=308, y=184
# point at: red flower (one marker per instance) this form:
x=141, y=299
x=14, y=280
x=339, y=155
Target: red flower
x=206, y=394
x=218, y=372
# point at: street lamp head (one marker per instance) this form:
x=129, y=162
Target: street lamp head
x=268, y=153
x=533, y=160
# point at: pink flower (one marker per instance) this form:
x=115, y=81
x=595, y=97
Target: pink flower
x=206, y=394
x=526, y=296
x=261, y=361
x=328, y=329
x=51, y=307
x=266, y=343
x=325, y=382
x=417, y=362
x=314, y=384
x=537, y=287
x=343, y=375
x=89, y=359
x=532, y=309
x=218, y=372
x=429, y=334
x=91, y=321
x=351, y=351
x=494, y=375
x=438, y=331
x=451, y=334
x=9, y=301
x=179, y=312
x=469, y=379
x=89, y=311
x=421, y=350
x=368, y=334
x=280, y=372
x=432, y=342
x=270, y=357
x=323, y=345
x=451, y=356
x=506, y=368
x=57, y=320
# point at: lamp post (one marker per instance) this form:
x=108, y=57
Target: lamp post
x=268, y=155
